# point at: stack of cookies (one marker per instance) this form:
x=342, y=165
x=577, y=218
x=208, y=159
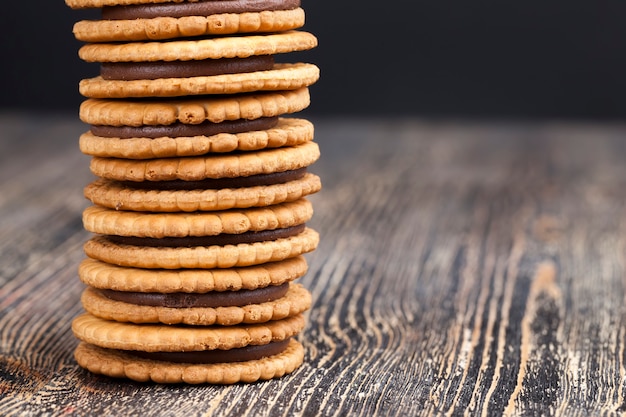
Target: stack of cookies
x=199, y=210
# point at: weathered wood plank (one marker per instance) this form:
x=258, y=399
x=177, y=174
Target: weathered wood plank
x=464, y=269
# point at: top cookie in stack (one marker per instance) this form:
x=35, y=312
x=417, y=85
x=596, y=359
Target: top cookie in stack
x=202, y=174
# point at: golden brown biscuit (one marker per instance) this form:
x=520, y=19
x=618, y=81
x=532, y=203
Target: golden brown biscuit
x=208, y=167
x=193, y=110
x=288, y=132
x=282, y=77
x=296, y=301
x=102, y=275
x=116, y=349
x=118, y=364
x=245, y=254
x=162, y=338
x=114, y=195
x=210, y=48
x=161, y=28
x=106, y=221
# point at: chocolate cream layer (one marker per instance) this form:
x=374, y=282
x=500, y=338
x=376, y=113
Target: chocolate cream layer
x=127, y=71
x=247, y=353
x=219, y=240
x=177, y=130
x=199, y=8
x=219, y=183
x=212, y=299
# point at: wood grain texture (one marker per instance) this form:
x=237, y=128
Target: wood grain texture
x=464, y=269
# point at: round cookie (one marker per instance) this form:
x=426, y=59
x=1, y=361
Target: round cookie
x=106, y=221
x=229, y=256
x=161, y=338
x=161, y=28
x=118, y=364
x=219, y=166
x=195, y=110
x=199, y=49
x=124, y=349
x=102, y=275
x=288, y=132
x=295, y=301
x=282, y=77
x=114, y=195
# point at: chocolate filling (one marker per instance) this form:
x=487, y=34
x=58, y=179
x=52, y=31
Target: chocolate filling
x=182, y=69
x=200, y=8
x=209, y=300
x=220, y=240
x=247, y=353
x=176, y=130
x=219, y=183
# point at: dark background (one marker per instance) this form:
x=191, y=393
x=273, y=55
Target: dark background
x=561, y=59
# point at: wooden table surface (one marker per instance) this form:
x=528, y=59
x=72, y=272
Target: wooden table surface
x=464, y=269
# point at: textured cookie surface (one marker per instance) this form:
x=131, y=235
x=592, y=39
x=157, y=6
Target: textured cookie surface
x=161, y=28
x=107, y=276
x=163, y=338
x=193, y=111
x=296, y=301
x=118, y=364
x=212, y=166
x=159, y=225
x=112, y=194
x=212, y=48
x=288, y=132
x=282, y=77
x=244, y=254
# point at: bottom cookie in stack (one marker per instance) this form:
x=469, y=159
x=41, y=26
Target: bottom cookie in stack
x=195, y=326
x=173, y=354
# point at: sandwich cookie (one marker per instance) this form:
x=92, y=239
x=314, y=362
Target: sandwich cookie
x=223, y=65
x=221, y=239
x=254, y=294
x=216, y=182
x=190, y=354
x=221, y=308
x=280, y=77
x=188, y=19
x=286, y=132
